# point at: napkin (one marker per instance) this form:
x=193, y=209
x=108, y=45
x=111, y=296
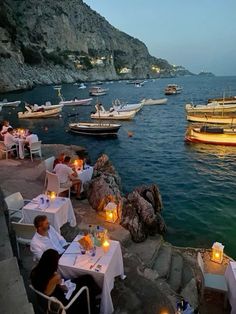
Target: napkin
x=71, y=288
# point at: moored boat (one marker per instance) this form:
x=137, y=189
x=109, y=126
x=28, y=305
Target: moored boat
x=151, y=102
x=118, y=106
x=210, y=118
x=211, y=135
x=94, y=129
x=214, y=107
x=173, y=89
x=30, y=114
x=98, y=91
x=224, y=100
x=7, y=103
x=102, y=114
x=76, y=102
x=46, y=106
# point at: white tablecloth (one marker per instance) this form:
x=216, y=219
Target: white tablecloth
x=21, y=143
x=85, y=176
x=59, y=212
x=73, y=265
x=230, y=276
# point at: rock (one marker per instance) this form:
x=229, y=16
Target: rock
x=139, y=216
x=101, y=190
x=152, y=195
x=104, y=166
x=190, y=293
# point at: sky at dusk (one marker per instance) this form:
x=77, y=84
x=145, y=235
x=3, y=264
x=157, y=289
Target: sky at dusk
x=198, y=34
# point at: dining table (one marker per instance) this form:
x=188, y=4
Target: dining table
x=230, y=277
x=58, y=211
x=104, y=267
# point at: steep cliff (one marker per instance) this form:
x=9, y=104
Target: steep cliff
x=44, y=42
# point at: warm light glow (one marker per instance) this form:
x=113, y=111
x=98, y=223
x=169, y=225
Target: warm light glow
x=76, y=163
x=53, y=195
x=106, y=246
x=217, y=252
x=217, y=255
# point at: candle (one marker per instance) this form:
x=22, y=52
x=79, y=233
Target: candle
x=53, y=195
x=106, y=246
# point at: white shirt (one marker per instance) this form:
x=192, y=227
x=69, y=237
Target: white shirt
x=4, y=129
x=10, y=140
x=39, y=244
x=32, y=138
x=63, y=172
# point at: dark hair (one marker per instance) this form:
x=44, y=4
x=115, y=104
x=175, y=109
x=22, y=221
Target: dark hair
x=38, y=220
x=10, y=129
x=45, y=269
x=67, y=159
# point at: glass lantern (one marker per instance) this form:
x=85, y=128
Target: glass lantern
x=217, y=252
x=111, y=212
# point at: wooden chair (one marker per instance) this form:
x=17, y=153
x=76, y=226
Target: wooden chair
x=212, y=281
x=53, y=305
x=53, y=184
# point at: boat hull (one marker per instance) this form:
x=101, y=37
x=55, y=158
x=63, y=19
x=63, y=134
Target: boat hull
x=211, y=119
x=194, y=135
x=211, y=108
x=114, y=116
x=128, y=108
x=39, y=114
x=153, y=102
x=94, y=129
x=78, y=102
x=10, y=103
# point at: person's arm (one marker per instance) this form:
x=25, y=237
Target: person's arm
x=72, y=173
x=60, y=238
x=53, y=282
x=36, y=250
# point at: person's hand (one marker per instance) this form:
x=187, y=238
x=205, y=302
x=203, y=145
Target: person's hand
x=64, y=288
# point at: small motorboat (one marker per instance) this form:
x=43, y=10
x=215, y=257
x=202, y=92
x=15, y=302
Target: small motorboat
x=211, y=135
x=118, y=106
x=173, y=89
x=102, y=114
x=81, y=86
x=7, y=103
x=94, y=129
x=214, y=107
x=98, y=91
x=211, y=118
x=97, y=83
x=47, y=106
x=31, y=114
x=223, y=101
x=151, y=102
x=76, y=102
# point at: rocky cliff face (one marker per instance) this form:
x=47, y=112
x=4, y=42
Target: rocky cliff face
x=44, y=42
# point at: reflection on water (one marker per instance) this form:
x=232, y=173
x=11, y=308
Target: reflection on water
x=197, y=181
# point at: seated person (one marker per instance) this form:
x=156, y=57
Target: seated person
x=5, y=126
x=10, y=140
x=59, y=160
x=46, y=279
x=31, y=138
x=68, y=177
x=46, y=237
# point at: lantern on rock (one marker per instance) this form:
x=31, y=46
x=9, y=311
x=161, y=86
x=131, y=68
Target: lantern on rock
x=217, y=252
x=111, y=212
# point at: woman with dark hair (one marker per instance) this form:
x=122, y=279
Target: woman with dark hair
x=45, y=278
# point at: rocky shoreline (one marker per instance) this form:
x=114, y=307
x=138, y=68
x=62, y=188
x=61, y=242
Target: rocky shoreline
x=158, y=273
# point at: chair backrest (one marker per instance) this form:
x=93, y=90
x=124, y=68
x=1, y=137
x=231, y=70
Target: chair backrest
x=200, y=262
x=23, y=230
x=47, y=303
x=35, y=146
x=14, y=201
x=53, y=183
x=49, y=163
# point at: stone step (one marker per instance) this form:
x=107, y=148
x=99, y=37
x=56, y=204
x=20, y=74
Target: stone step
x=147, y=250
x=176, y=270
x=162, y=263
x=9, y=271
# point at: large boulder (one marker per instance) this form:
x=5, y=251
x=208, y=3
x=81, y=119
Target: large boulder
x=141, y=213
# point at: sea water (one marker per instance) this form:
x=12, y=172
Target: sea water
x=197, y=181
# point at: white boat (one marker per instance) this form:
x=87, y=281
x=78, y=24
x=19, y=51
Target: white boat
x=94, y=129
x=151, y=102
x=46, y=106
x=30, y=114
x=102, y=114
x=214, y=107
x=82, y=86
x=210, y=118
x=76, y=102
x=173, y=89
x=6, y=103
x=122, y=107
x=98, y=91
x=211, y=135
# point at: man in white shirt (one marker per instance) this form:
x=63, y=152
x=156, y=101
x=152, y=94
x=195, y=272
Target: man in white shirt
x=68, y=176
x=9, y=140
x=31, y=138
x=46, y=237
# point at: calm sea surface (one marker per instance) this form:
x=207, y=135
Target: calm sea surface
x=197, y=182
